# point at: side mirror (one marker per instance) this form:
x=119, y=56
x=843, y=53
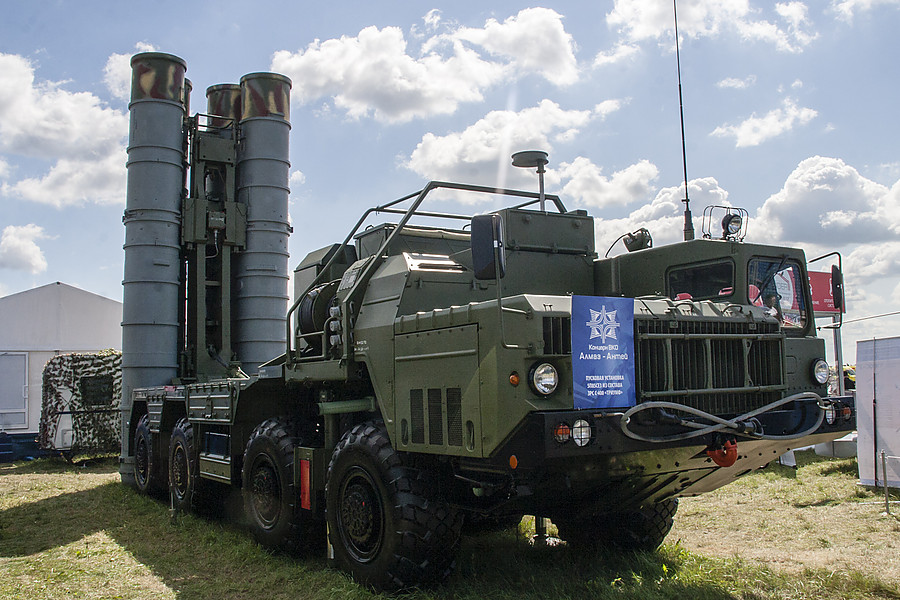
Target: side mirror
x=488, y=256
x=837, y=287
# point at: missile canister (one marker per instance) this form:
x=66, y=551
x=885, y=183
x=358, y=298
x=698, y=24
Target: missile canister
x=261, y=276
x=150, y=328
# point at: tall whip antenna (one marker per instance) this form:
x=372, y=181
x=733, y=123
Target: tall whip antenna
x=688, y=219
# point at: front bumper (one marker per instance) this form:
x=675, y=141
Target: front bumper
x=539, y=475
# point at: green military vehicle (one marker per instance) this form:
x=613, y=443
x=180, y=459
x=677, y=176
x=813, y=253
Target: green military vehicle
x=439, y=369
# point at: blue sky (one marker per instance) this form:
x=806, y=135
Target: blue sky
x=790, y=112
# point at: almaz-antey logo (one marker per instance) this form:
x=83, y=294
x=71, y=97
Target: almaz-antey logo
x=603, y=324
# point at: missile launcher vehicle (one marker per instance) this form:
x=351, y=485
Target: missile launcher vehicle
x=436, y=369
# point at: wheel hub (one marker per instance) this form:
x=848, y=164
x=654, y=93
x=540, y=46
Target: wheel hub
x=179, y=472
x=361, y=518
x=141, y=461
x=266, y=495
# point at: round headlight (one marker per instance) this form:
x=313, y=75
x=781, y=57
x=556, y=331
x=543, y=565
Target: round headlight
x=820, y=371
x=581, y=432
x=731, y=224
x=544, y=379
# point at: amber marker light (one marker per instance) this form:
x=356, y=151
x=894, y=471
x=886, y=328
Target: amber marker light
x=562, y=433
x=513, y=461
x=514, y=379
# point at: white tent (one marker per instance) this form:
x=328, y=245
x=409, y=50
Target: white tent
x=35, y=326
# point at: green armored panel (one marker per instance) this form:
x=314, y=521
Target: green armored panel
x=437, y=398
x=527, y=230
x=425, y=240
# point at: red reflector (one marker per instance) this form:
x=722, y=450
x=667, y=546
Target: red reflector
x=304, y=485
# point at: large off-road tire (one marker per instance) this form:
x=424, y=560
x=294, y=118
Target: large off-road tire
x=188, y=491
x=271, y=500
x=642, y=529
x=148, y=472
x=386, y=524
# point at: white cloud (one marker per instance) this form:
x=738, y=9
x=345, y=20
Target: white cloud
x=663, y=216
x=737, y=84
x=5, y=169
x=620, y=53
x=587, y=186
x=847, y=9
x=475, y=153
x=639, y=20
x=41, y=119
x=756, y=130
x=117, y=72
x=297, y=178
x=375, y=74
x=74, y=131
x=19, y=250
x=873, y=262
x=827, y=203
x=534, y=41
x=432, y=18
x=74, y=182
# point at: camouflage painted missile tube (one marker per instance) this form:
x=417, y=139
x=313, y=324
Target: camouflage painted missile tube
x=261, y=277
x=223, y=100
x=150, y=328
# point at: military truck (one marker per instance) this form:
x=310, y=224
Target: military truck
x=435, y=369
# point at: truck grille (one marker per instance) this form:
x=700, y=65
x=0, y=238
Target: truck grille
x=427, y=414
x=721, y=367
x=557, y=335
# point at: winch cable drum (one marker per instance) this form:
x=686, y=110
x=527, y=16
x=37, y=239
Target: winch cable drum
x=744, y=425
x=314, y=312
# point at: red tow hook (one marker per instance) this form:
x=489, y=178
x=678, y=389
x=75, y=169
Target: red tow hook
x=725, y=455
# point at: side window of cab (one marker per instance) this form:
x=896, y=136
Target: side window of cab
x=775, y=284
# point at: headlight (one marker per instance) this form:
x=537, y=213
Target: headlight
x=731, y=224
x=544, y=379
x=581, y=432
x=820, y=371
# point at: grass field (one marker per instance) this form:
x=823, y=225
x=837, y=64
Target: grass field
x=73, y=531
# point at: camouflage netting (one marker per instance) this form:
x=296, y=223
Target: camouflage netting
x=89, y=388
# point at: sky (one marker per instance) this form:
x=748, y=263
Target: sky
x=790, y=111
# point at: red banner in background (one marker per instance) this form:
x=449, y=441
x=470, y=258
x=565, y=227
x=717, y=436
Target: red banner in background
x=820, y=285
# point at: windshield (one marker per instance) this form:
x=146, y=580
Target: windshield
x=776, y=284
x=701, y=282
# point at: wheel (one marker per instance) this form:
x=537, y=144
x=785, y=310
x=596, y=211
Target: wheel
x=271, y=500
x=386, y=525
x=642, y=529
x=189, y=492
x=147, y=472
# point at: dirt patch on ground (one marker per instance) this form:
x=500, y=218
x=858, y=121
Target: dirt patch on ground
x=814, y=517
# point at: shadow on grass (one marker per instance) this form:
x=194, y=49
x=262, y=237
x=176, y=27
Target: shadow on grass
x=209, y=558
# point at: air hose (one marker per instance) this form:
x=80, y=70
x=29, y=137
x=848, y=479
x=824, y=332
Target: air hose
x=745, y=425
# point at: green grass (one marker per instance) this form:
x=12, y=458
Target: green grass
x=73, y=531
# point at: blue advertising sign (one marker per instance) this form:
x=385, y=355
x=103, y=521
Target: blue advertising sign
x=603, y=352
